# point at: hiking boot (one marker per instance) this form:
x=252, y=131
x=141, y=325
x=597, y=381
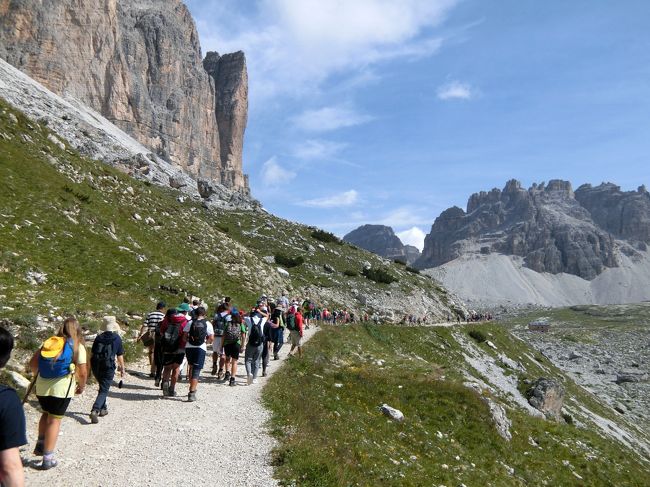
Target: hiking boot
x=39, y=449
x=94, y=416
x=103, y=412
x=264, y=373
x=227, y=376
x=191, y=396
x=214, y=369
x=157, y=383
x=165, y=388
x=48, y=462
x=232, y=381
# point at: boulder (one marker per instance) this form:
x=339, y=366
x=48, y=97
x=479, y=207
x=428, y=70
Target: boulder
x=546, y=395
x=630, y=376
x=392, y=413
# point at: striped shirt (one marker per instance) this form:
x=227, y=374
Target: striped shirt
x=152, y=319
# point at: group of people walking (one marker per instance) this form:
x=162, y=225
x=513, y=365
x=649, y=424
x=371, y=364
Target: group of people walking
x=178, y=340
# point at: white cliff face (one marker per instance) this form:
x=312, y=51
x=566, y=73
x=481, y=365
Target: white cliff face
x=138, y=63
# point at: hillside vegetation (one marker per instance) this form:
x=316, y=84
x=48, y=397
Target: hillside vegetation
x=78, y=236
x=331, y=432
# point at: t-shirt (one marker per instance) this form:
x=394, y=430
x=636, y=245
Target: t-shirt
x=203, y=346
x=153, y=319
x=12, y=420
x=118, y=348
x=60, y=387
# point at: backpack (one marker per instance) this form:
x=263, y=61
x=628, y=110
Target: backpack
x=219, y=323
x=233, y=332
x=171, y=338
x=51, y=367
x=256, y=337
x=198, y=333
x=291, y=322
x=103, y=356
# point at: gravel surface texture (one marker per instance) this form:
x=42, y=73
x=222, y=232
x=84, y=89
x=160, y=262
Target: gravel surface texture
x=221, y=439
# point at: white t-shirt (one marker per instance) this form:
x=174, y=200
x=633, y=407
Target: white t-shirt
x=203, y=346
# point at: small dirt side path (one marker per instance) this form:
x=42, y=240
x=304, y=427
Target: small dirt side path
x=219, y=440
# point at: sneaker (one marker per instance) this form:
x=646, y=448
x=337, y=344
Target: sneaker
x=103, y=412
x=94, y=418
x=214, y=369
x=191, y=396
x=227, y=376
x=232, y=381
x=39, y=449
x=249, y=379
x=48, y=463
x=165, y=388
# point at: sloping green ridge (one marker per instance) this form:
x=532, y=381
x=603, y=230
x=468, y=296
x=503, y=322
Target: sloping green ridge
x=334, y=435
x=60, y=212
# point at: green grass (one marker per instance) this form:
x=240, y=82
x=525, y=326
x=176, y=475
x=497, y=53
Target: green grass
x=336, y=436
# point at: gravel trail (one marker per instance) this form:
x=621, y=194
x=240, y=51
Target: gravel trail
x=150, y=440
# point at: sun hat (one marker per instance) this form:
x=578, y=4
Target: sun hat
x=110, y=324
x=52, y=347
x=184, y=307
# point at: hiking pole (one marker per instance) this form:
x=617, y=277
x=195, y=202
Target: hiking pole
x=29, y=389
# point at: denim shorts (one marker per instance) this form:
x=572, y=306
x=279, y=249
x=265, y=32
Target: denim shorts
x=195, y=358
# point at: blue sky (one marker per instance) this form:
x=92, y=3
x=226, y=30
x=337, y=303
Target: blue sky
x=377, y=111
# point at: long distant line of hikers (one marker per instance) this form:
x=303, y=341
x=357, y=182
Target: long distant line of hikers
x=177, y=340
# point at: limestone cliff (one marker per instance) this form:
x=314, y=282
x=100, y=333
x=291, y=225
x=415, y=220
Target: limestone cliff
x=139, y=64
x=382, y=240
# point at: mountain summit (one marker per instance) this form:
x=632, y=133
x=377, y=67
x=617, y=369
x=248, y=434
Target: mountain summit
x=382, y=240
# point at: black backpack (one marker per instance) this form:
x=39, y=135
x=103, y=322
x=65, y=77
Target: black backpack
x=171, y=338
x=219, y=323
x=103, y=356
x=198, y=332
x=255, y=336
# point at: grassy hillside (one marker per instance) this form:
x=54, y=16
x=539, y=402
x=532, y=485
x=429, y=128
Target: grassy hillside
x=78, y=236
x=331, y=432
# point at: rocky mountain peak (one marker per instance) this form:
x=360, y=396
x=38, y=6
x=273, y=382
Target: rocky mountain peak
x=381, y=240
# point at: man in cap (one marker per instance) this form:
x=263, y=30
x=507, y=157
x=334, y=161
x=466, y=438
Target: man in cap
x=106, y=348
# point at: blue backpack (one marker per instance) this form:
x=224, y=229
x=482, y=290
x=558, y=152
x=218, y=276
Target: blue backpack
x=49, y=365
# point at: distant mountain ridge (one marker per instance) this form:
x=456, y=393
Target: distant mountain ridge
x=381, y=240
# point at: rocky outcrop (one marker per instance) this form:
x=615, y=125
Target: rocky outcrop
x=381, y=240
x=138, y=63
x=545, y=225
x=547, y=395
x=624, y=214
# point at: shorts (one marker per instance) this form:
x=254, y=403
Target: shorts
x=232, y=350
x=195, y=358
x=54, y=406
x=173, y=358
x=216, y=346
x=295, y=338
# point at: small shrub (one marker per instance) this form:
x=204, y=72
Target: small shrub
x=326, y=237
x=412, y=269
x=287, y=261
x=350, y=273
x=478, y=335
x=379, y=275
x=399, y=262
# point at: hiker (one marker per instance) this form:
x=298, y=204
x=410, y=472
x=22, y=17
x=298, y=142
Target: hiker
x=186, y=309
x=233, y=338
x=106, y=348
x=295, y=327
x=60, y=366
x=283, y=301
x=172, y=343
x=12, y=423
x=267, y=331
x=200, y=333
x=254, y=346
x=277, y=330
x=219, y=325
x=307, y=307
x=148, y=337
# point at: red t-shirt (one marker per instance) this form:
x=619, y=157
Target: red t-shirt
x=299, y=322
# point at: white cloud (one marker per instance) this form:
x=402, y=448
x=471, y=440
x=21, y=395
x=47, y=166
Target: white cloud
x=314, y=149
x=274, y=175
x=329, y=118
x=294, y=45
x=455, y=90
x=348, y=198
x=413, y=236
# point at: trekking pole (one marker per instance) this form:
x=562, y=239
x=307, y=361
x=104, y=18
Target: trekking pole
x=29, y=389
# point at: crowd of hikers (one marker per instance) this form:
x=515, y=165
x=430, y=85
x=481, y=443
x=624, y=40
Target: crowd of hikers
x=178, y=340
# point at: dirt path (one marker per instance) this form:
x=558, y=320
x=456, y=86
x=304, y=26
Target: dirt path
x=149, y=440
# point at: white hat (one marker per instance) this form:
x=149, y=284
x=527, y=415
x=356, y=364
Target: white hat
x=110, y=324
